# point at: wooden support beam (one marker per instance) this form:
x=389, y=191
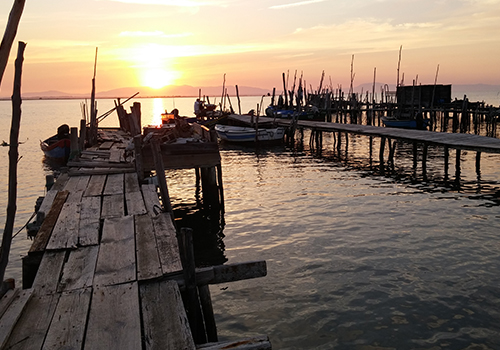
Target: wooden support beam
x=160, y=174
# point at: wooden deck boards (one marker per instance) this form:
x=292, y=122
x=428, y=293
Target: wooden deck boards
x=107, y=256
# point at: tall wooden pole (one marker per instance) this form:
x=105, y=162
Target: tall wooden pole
x=10, y=34
x=13, y=158
x=93, y=111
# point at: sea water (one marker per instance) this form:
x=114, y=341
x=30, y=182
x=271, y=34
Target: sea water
x=356, y=259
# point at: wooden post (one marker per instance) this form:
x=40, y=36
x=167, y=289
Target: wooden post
x=73, y=143
x=424, y=161
x=208, y=313
x=193, y=307
x=160, y=174
x=221, y=188
x=238, y=97
x=83, y=135
x=381, y=153
x=139, y=163
x=478, y=163
x=457, y=168
x=93, y=111
x=446, y=163
x=13, y=159
x=210, y=189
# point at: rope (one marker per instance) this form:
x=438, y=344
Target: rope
x=26, y=224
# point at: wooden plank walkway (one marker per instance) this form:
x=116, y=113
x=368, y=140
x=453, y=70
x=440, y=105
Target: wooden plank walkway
x=452, y=140
x=105, y=252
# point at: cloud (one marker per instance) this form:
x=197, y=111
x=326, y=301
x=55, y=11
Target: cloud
x=295, y=4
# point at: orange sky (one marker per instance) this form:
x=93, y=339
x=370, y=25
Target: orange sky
x=191, y=42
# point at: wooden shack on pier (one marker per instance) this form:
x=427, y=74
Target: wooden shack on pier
x=425, y=96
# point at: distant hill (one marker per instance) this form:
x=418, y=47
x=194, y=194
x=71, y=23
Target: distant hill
x=169, y=91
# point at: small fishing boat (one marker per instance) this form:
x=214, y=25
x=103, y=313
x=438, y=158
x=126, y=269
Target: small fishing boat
x=406, y=123
x=59, y=145
x=247, y=134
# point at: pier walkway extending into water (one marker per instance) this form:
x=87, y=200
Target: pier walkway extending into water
x=105, y=269
x=452, y=140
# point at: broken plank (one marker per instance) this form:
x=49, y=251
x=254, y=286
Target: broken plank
x=45, y=231
x=166, y=239
x=116, y=155
x=90, y=213
x=164, y=318
x=112, y=206
x=78, y=272
x=116, y=259
x=67, y=328
x=148, y=261
x=65, y=233
x=114, y=318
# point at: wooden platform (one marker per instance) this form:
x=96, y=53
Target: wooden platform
x=457, y=141
x=110, y=273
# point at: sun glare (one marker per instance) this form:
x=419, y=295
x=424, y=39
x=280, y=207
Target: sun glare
x=157, y=78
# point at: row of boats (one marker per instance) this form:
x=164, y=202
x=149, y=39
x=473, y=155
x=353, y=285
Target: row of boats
x=58, y=146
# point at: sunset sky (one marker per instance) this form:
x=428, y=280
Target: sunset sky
x=195, y=42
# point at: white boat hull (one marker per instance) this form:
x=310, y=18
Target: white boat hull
x=246, y=134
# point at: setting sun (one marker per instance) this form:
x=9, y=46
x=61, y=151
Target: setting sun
x=157, y=78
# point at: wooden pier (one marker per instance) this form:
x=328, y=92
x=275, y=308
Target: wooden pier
x=108, y=269
x=456, y=141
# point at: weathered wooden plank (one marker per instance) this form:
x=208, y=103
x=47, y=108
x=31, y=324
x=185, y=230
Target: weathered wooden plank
x=47, y=277
x=31, y=328
x=164, y=319
x=88, y=228
x=100, y=164
x=114, y=318
x=113, y=206
x=166, y=239
x=256, y=343
x=99, y=171
x=50, y=196
x=68, y=324
x=114, y=184
x=148, y=261
x=135, y=203
x=16, y=300
x=131, y=183
x=96, y=186
x=223, y=273
x=65, y=233
x=45, y=231
x=76, y=186
x=60, y=182
x=7, y=299
x=115, y=155
x=78, y=272
x=116, y=260
x=151, y=199
x=106, y=145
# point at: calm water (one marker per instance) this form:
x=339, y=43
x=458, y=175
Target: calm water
x=356, y=260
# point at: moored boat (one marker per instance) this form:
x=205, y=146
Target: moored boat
x=419, y=122
x=247, y=134
x=59, y=145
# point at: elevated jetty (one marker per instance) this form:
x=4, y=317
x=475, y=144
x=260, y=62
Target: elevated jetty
x=108, y=268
